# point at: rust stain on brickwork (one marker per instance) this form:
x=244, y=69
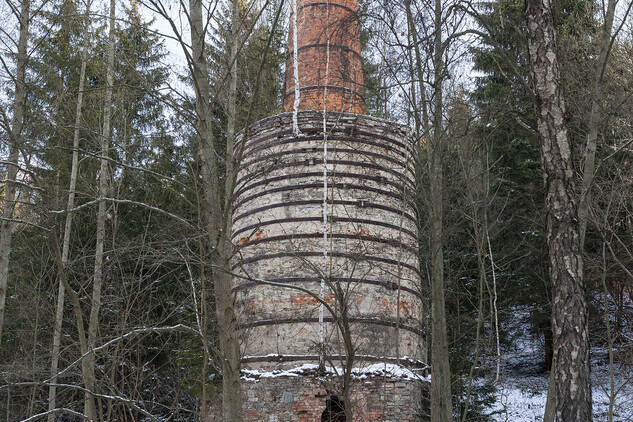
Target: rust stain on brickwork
x=258, y=235
x=306, y=299
x=406, y=308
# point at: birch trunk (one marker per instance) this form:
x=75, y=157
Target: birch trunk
x=217, y=212
x=569, y=315
x=17, y=121
x=61, y=294
x=93, y=324
x=589, y=165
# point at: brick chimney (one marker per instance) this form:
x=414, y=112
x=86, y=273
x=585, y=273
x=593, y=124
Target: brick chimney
x=319, y=24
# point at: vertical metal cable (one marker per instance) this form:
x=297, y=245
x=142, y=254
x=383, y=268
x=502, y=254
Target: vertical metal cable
x=325, y=183
x=295, y=109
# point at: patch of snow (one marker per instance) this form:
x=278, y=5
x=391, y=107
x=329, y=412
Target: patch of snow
x=522, y=399
x=522, y=390
x=387, y=370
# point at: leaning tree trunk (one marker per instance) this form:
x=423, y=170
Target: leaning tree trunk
x=6, y=225
x=595, y=116
x=569, y=314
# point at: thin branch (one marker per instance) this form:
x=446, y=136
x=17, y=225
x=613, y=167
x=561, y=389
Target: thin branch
x=28, y=223
x=123, y=337
x=85, y=390
x=124, y=201
x=57, y=410
x=19, y=168
x=17, y=182
x=131, y=167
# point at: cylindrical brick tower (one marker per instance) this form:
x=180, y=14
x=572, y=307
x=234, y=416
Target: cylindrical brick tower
x=325, y=28
x=326, y=268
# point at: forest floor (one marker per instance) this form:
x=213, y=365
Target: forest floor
x=522, y=391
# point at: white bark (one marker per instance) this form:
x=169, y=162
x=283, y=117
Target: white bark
x=571, y=355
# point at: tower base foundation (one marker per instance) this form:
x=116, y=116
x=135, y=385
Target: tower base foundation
x=307, y=399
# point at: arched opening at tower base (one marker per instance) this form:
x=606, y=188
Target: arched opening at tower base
x=334, y=410
x=307, y=399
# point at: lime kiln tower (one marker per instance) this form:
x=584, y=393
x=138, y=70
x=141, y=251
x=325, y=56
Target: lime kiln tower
x=324, y=225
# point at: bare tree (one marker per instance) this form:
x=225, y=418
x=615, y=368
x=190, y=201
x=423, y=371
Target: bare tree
x=7, y=225
x=431, y=125
x=596, y=114
x=88, y=339
x=104, y=182
x=217, y=208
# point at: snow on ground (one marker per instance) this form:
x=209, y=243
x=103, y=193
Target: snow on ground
x=522, y=391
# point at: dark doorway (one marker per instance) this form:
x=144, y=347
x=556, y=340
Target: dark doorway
x=334, y=410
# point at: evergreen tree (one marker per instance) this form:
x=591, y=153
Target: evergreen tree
x=255, y=36
x=504, y=102
x=145, y=281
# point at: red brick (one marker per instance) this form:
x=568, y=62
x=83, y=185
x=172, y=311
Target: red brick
x=318, y=23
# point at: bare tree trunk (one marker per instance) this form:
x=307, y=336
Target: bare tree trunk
x=420, y=74
x=441, y=400
x=218, y=220
x=476, y=176
x=74, y=298
x=550, y=403
x=594, y=123
x=61, y=294
x=93, y=324
x=225, y=312
x=17, y=122
x=570, y=327
x=607, y=323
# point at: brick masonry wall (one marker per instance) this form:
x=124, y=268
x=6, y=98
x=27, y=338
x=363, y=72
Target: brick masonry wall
x=318, y=23
x=372, y=248
x=303, y=399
